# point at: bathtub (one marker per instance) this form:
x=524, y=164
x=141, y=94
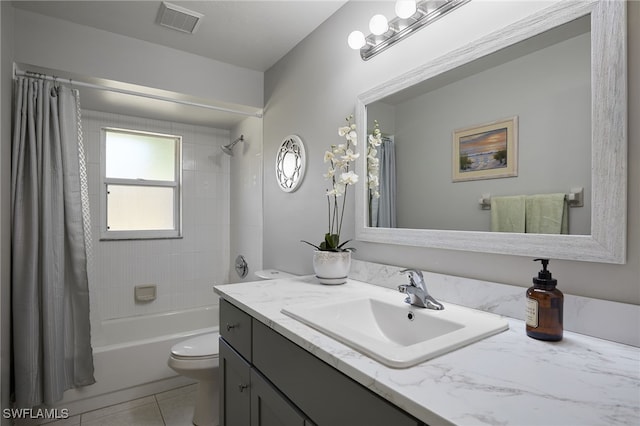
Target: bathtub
x=130, y=358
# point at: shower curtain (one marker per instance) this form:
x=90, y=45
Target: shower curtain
x=383, y=209
x=49, y=280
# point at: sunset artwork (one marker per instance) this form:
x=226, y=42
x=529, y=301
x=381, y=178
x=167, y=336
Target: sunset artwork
x=486, y=151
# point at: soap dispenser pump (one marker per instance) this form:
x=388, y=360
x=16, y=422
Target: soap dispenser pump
x=544, y=306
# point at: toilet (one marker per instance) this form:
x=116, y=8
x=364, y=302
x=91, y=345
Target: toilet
x=197, y=358
x=273, y=274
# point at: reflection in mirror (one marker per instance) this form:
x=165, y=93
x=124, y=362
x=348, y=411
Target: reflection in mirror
x=568, y=131
x=290, y=163
x=544, y=83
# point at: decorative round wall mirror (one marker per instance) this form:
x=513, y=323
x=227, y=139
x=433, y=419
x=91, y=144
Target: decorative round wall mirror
x=290, y=163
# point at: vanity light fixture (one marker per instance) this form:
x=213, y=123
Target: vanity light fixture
x=411, y=16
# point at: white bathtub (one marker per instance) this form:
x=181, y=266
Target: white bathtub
x=131, y=360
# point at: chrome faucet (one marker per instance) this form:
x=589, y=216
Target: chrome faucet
x=416, y=291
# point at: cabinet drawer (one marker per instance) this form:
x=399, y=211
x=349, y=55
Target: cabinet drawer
x=235, y=328
x=323, y=393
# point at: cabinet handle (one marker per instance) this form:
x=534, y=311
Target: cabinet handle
x=242, y=387
x=231, y=326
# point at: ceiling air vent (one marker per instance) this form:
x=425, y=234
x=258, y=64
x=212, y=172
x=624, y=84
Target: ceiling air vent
x=178, y=18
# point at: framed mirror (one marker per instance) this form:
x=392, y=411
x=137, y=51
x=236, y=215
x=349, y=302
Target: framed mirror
x=290, y=163
x=571, y=123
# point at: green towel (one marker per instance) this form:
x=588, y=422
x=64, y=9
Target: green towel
x=546, y=214
x=508, y=214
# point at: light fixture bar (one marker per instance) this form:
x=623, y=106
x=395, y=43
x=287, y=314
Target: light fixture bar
x=428, y=11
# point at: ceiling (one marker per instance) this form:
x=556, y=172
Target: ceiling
x=248, y=34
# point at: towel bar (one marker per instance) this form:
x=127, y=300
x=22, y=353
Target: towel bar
x=575, y=198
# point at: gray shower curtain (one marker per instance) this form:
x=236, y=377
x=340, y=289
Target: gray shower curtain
x=49, y=281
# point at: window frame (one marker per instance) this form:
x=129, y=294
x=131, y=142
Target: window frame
x=176, y=185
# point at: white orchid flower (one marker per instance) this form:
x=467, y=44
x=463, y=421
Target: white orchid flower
x=337, y=191
x=343, y=131
x=328, y=156
x=340, y=149
x=375, y=140
x=352, y=136
x=349, y=178
x=339, y=164
x=350, y=155
x=330, y=173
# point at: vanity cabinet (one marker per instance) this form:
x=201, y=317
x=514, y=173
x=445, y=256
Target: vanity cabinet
x=247, y=398
x=275, y=382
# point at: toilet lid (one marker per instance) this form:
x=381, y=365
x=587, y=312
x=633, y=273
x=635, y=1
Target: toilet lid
x=205, y=345
x=272, y=274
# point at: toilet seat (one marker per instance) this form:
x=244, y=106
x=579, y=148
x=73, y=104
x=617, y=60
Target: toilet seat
x=204, y=346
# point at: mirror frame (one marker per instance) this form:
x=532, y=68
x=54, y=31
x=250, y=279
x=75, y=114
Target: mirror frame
x=607, y=242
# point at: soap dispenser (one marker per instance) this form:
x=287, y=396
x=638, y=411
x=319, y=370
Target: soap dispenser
x=544, y=306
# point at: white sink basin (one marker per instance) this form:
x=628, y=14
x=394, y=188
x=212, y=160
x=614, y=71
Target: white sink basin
x=395, y=333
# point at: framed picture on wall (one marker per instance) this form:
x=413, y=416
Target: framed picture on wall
x=486, y=151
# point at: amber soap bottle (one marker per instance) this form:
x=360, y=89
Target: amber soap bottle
x=544, y=306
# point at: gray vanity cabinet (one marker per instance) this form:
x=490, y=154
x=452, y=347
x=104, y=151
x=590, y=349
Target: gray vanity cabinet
x=246, y=397
x=289, y=386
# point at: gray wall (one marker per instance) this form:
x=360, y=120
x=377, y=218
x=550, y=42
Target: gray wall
x=312, y=89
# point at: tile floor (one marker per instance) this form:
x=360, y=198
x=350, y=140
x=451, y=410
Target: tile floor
x=170, y=408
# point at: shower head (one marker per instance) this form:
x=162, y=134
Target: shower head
x=228, y=149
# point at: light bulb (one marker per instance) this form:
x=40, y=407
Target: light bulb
x=378, y=24
x=356, y=40
x=405, y=8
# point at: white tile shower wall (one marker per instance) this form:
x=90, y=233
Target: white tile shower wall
x=246, y=198
x=184, y=270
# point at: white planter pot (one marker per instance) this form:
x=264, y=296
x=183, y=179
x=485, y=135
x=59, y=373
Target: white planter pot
x=332, y=267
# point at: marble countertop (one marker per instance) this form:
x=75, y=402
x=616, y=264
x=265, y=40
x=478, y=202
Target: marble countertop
x=507, y=378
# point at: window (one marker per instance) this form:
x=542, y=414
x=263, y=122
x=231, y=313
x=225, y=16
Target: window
x=140, y=184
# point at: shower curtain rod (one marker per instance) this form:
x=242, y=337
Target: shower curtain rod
x=20, y=73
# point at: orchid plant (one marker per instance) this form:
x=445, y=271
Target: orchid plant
x=373, y=163
x=340, y=158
